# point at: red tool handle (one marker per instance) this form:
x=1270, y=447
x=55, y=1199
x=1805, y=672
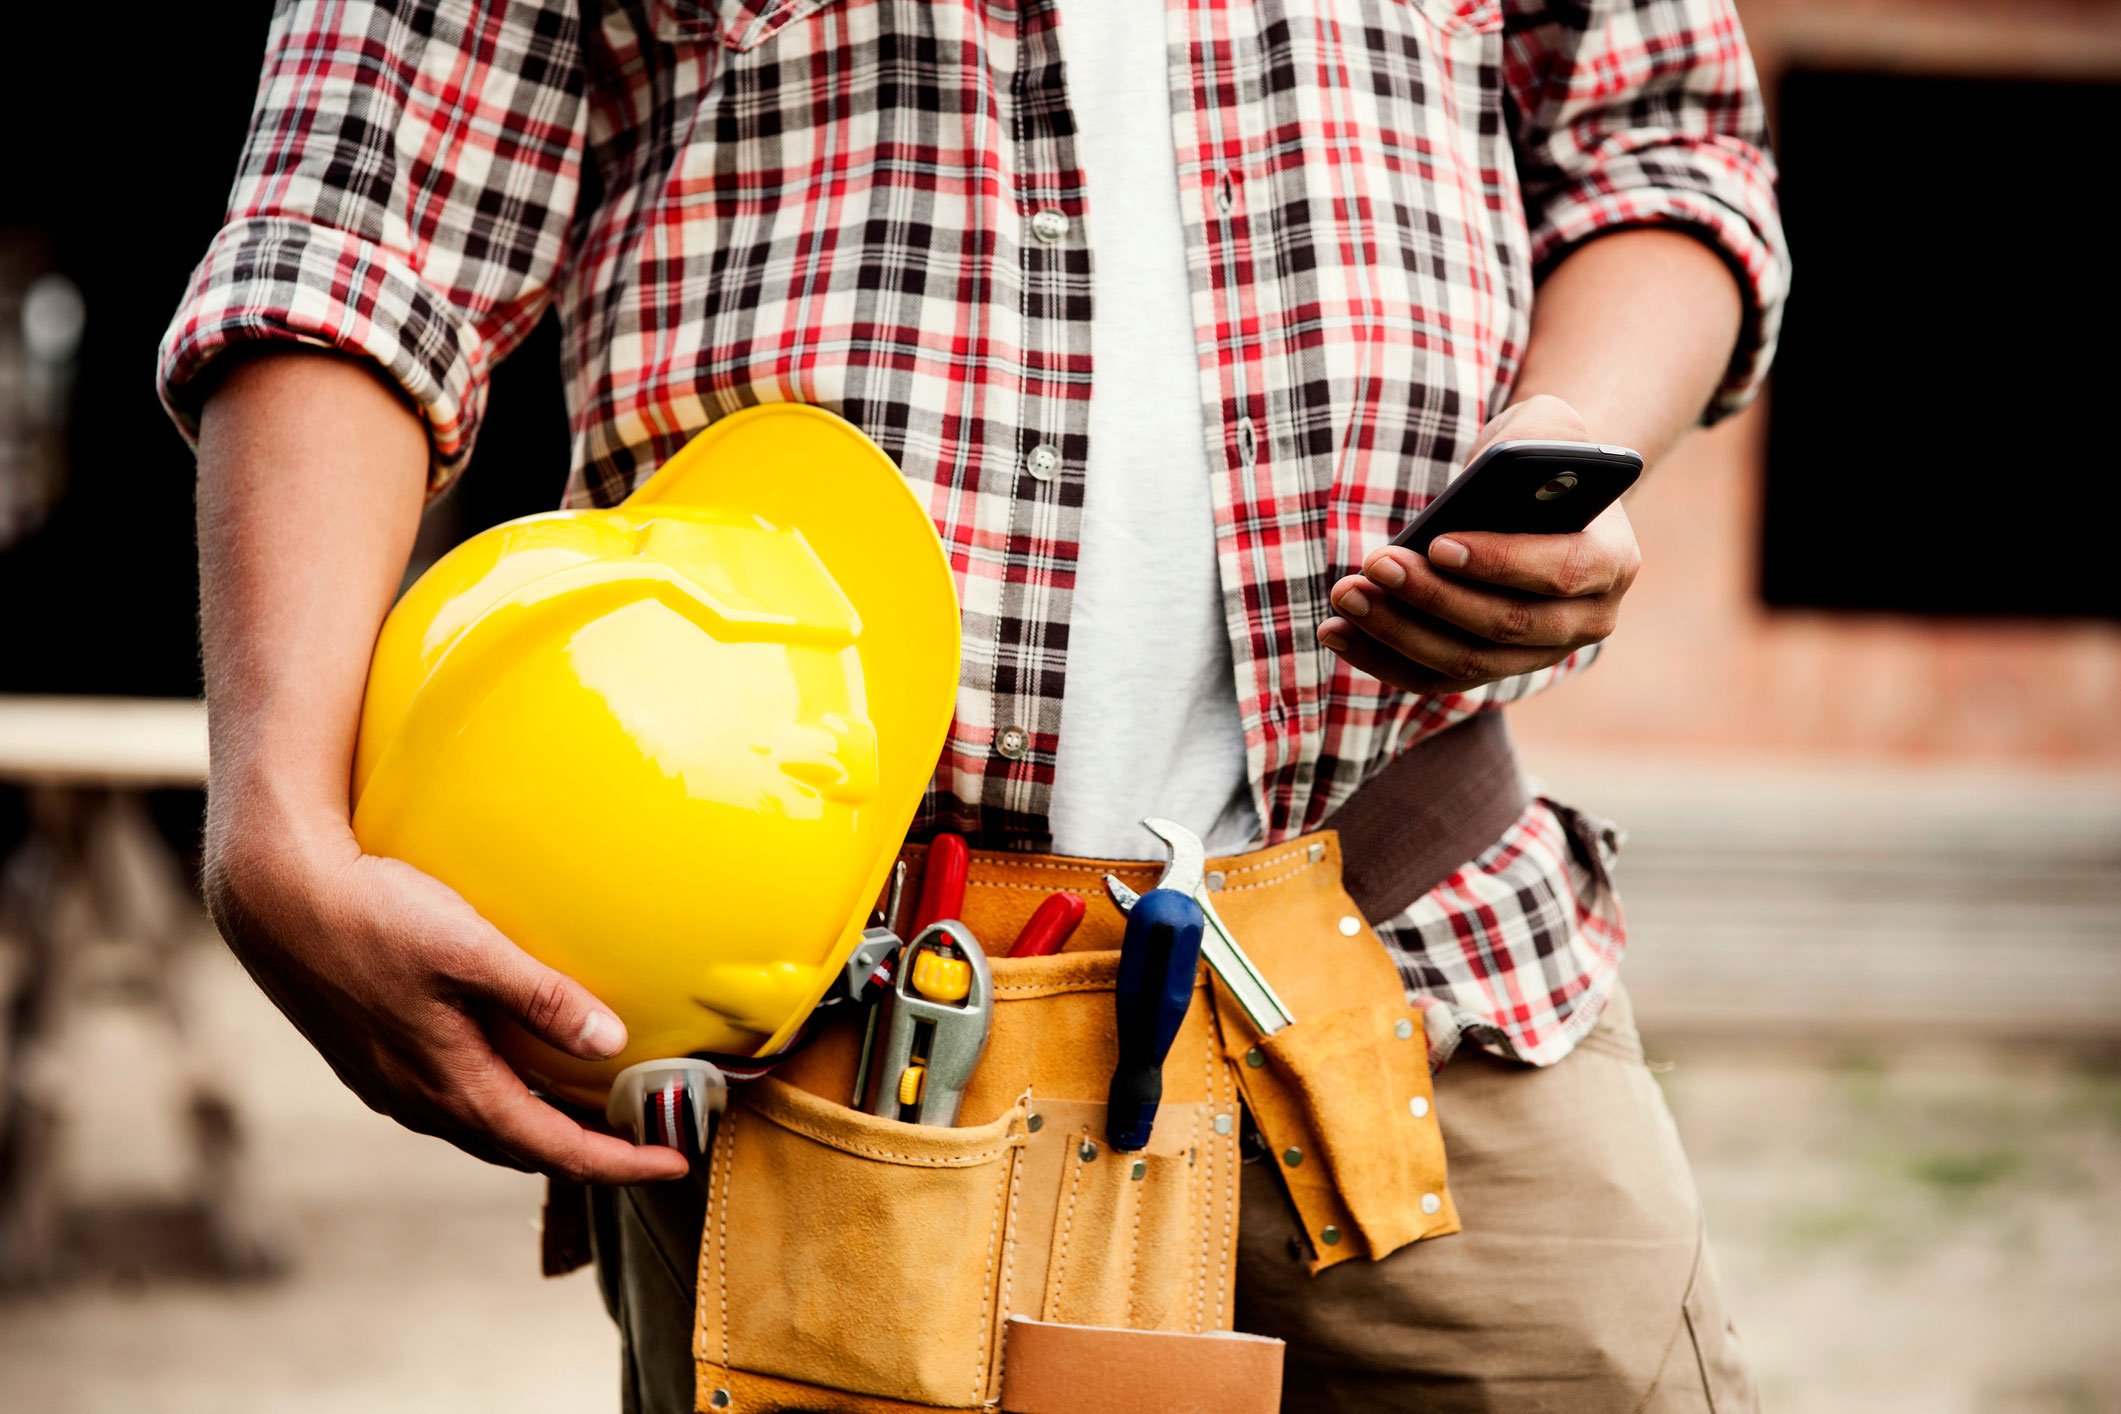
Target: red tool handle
x=1051, y=926
x=943, y=882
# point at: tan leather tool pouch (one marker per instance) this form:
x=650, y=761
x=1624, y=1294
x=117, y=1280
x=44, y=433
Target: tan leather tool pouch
x=868, y=1254
x=852, y=1263
x=1342, y=1097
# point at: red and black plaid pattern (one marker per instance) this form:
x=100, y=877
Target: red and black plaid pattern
x=877, y=206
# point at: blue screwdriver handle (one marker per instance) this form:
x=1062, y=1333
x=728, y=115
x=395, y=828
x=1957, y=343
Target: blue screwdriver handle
x=1157, y=963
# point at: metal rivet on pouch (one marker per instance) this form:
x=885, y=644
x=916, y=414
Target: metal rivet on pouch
x=1403, y=1029
x=1087, y=1152
x=1430, y=1202
x=1330, y=1236
x=719, y=1399
x=1223, y=1124
x=1141, y=1166
x=1418, y=1107
x=1316, y=852
x=1034, y=1123
x=1350, y=925
x=1292, y=1157
x=1255, y=1058
x=1214, y=880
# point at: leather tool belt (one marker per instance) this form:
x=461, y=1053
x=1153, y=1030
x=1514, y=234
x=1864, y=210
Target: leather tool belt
x=856, y=1263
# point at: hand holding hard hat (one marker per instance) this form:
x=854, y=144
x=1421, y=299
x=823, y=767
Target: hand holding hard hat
x=670, y=748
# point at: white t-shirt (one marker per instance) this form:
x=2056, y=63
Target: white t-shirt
x=1149, y=722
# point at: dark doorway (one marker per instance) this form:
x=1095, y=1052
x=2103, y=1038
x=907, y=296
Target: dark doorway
x=1936, y=441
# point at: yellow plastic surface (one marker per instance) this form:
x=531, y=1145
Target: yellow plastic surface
x=910, y=1081
x=671, y=747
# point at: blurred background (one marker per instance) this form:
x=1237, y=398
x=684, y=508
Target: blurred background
x=1860, y=723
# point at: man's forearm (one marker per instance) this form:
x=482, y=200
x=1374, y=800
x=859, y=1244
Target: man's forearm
x=1630, y=338
x=311, y=478
x=1634, y=331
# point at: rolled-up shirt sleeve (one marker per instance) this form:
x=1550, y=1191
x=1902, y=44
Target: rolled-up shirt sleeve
x=404, y=196
x=1633, y=113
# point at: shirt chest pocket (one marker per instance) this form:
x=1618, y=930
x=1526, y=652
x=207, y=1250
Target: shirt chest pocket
x=737, y=25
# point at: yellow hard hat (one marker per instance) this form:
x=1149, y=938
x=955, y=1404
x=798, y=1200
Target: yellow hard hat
x=671, y=748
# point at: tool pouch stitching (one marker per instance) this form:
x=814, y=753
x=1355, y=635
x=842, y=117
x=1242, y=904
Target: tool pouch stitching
x=784, y=1212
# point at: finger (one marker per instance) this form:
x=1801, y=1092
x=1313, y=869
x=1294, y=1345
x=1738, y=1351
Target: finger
x=1366, y=655
x=1497, y=615
x=438, y=1124
x=1594, y=561
x=1443, y=650
x=506, y=1113
x=551, y=1005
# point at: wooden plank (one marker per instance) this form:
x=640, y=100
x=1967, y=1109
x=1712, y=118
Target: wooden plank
x=102, y=741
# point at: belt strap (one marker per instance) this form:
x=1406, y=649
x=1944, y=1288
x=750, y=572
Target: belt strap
x=1414, y=824
x=1440, y=803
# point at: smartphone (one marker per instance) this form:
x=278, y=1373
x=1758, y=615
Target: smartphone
x=1527, y=487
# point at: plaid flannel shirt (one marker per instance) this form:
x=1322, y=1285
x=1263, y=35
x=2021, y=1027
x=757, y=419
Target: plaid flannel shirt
x=877, y=206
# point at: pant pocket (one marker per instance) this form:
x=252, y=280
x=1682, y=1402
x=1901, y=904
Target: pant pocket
x=854, y=1253
x=1725, y=1377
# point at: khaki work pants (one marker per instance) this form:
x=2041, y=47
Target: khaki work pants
x=1582, y=1281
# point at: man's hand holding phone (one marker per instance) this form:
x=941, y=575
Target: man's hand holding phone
x=1485, y=605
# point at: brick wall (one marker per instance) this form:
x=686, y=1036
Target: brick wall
x=1700, y=664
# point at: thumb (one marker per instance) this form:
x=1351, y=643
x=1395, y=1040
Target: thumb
x=551, y=1005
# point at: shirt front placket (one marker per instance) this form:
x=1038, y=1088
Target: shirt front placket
x=1046, y=239
x=1266, y=552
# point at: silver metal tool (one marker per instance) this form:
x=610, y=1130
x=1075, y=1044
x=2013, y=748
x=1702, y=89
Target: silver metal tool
x=867, y=971
x=933, y=1040
x=885, y=915
x=669, y=1102
x=1186, y=873
x=860, y=971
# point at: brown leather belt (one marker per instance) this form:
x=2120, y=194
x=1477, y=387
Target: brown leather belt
x=1438, y=804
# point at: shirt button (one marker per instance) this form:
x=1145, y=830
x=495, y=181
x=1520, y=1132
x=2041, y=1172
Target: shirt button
x=1049, y=225
x=1015, y=741
x=1044, y=461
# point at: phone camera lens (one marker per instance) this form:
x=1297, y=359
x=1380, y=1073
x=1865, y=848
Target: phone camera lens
x=1555, y=489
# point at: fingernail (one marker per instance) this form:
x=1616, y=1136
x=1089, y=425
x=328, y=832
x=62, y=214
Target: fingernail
x=1329, y=634
x=1386, y=571
x=602, y=1035
x=1449, y=553
x=1353, y=602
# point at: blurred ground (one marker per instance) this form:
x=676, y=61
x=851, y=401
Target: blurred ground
x=1882, y=1005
